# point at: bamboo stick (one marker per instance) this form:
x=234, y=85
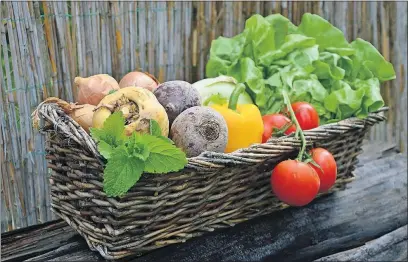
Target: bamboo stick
x=142, y=35
x=150, y=39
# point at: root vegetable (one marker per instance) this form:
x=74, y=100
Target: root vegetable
x=138, y=106
x=176, y=96
x=199, y=129
x=218, y=90
x=92, y=89
x=82, y=114
x=139, y=79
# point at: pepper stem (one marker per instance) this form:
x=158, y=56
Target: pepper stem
x=233, y=101
x=298, y=129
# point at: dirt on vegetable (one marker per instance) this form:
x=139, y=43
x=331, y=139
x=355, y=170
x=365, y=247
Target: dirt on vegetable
x=199, y=129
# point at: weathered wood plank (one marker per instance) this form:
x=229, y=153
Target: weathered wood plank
x=370, y=207
x=40, y=239
x=390, y=247
x=73, y=251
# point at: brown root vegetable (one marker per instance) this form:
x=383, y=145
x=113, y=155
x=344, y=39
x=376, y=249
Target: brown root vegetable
x=138, y=106
x=139, y=79
x=176, y=96
x=92, y=89
x=82, y=114
x=199, y=129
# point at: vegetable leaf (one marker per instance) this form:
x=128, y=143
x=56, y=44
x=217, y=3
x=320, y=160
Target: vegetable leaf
x=155, y=129
x=367, y=58
x=111, y=135
x=105, y=149
x=136, y=148
x=121, y=172
x=261, y=34
x=245, y=71
x=129, y=157
x=313, y=62
x=215, y=99
x=326, y=35
x=345, y=101
x=281, y=26
x=164, y=157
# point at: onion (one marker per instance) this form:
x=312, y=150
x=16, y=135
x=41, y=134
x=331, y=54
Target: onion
x=139, y=79
x=82, y=114
x=92, y=89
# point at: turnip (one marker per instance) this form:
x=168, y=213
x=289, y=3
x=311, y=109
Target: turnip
x=138, y=106
x=218, y=90
x=176, y=96
x=198, y=129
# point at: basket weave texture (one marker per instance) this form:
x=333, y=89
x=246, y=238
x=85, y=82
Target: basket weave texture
x=215, y=190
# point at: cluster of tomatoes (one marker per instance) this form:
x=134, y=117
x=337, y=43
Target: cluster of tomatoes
x=297, y=182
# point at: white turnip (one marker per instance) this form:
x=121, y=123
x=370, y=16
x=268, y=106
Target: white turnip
x=138, y=106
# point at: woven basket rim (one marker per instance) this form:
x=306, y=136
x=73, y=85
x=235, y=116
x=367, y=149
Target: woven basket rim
x=254, y=154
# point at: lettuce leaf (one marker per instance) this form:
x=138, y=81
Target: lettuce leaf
x=314, y=62
x=326, y=35
x=245, y=71
x=369, y=62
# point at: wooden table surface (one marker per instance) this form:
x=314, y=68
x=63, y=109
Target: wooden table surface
x=365, y=222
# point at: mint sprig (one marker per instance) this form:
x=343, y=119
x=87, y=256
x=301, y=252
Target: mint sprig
x=128, y=157
x=121, y=172
x=111, y=135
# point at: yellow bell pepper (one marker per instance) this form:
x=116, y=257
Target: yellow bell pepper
x=244, y=122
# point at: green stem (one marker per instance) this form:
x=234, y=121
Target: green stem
x=298, y=129
x=233, y=101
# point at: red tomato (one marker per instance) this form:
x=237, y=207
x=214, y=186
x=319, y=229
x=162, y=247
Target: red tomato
x=295, y=182
x=306, y=115
x=328, y=167
x=275, y=121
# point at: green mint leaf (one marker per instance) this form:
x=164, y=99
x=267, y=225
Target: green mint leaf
x=136, y=148
x=97, y=134
x=114, y=126
x=164, y=157
x=105, y=149
x=121, y=172
x=111, y=135
x=155, y=129
x=167, y=140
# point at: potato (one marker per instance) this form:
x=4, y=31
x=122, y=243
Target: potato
x=199, y=129
x=176, y=96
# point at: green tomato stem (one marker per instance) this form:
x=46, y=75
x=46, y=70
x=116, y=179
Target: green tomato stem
x=298, y=129
x=233, y=101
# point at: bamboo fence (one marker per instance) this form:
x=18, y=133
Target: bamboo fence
x=44, y=45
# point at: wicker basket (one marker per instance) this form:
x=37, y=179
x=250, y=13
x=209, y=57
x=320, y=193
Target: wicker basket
x=214, y=191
